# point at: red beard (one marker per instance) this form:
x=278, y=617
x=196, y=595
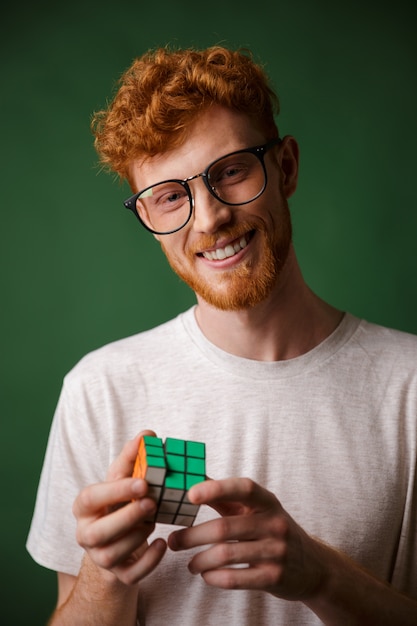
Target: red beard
x=248, y=284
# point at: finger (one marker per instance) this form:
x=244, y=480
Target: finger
x=266, y=576
x=116, y=525
x=120, y=549
x=229, y=529
x=123, y=550
x=239, y=490
x=124, y=463
x=100, y=497
x=242, y=553
x=138, y=566
x=212, y=532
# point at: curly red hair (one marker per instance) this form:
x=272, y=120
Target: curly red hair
x=164, y=91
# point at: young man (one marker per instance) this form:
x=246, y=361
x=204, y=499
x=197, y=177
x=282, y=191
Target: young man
x=308, y=414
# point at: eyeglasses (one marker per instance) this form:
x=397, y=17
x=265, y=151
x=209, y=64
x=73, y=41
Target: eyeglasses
x=234, y=179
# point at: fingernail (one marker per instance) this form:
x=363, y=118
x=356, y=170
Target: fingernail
x=195, y=494
x=138, y=487
x=147, y=505
x=172, y=541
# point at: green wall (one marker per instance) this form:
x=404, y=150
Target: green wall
x=77, y=271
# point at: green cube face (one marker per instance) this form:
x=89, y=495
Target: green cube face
x=175, y=462
x=196, y=466
x=196, y=449
x=193, y=479
x=153, y=441
x=175, y=480
x=175, y=446
x=156, y=461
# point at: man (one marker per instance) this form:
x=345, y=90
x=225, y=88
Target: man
x=308, y=414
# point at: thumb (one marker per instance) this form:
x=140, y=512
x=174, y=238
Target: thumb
x=123, y=465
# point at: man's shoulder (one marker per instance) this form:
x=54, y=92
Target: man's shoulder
x=389, y=334
x=390, y=343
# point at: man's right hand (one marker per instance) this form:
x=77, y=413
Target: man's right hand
x=111, y=524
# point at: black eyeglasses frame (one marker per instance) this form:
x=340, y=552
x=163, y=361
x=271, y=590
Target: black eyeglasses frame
x=258, y=151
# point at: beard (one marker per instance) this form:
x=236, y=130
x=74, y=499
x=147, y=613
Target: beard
x=248, y=284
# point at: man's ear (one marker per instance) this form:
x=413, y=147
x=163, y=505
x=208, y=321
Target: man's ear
x=288, y=156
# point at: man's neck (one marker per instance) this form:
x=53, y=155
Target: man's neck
x=292, y=321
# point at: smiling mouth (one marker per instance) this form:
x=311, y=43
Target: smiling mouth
x=228, y=251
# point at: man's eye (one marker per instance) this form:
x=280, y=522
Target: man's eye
x=173, y=197
x=229, y=174
x=233, y=171
x=170, y=200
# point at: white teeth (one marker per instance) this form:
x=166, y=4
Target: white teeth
x=228, y=251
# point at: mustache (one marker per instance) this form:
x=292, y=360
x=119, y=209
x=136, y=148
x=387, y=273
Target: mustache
x=205, y=242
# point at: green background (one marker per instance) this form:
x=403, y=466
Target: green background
x=78, y=272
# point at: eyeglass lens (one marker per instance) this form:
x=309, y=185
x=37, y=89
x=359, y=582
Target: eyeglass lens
x=234, y=179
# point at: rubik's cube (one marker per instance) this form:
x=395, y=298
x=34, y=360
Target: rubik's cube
x=171, y=468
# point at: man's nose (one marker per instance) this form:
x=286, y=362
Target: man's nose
x=209, y=213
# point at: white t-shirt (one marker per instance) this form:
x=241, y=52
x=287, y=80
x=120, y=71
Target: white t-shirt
x=331, y=433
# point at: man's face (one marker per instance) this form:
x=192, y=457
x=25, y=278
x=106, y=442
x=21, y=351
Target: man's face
x=230, y=256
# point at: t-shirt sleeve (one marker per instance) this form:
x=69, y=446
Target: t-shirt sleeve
x=75, y=457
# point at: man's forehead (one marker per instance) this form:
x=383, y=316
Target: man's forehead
x=213, y=135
